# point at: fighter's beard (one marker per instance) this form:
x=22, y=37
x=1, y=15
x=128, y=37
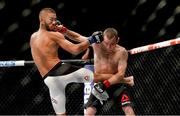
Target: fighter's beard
x=47, y=28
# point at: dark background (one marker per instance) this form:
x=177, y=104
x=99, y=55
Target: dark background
x=139, y=22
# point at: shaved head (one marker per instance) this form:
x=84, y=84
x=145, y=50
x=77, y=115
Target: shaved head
x=44, y=11
x=111, y=32
x=47, y=18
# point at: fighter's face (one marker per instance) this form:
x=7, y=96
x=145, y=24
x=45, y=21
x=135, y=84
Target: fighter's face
x=110, y=41
x=50, y=21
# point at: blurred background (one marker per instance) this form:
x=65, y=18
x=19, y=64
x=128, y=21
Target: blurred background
x=139, y=22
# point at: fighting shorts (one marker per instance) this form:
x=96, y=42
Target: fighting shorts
x=118, y=93
x=57, y=79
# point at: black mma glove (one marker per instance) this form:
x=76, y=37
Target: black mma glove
x=96, y=38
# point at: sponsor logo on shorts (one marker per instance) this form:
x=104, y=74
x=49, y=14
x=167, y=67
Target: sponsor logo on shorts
x=54, y=100
x=86, y=78
x=124, y=98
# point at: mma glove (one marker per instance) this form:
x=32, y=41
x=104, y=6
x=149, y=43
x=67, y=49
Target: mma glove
x=60, y=28
x=99, y=91
x=96, y=38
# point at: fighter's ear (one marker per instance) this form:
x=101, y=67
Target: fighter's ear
x=117, y=41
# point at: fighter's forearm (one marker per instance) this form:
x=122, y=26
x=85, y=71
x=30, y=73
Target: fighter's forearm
x=116, y=78
x=75, y=36
x=101, y=77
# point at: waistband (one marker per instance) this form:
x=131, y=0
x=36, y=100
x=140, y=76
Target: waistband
x=54, y=68
x=62, y=69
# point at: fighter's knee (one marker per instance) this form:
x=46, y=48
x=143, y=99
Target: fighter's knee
x=128, y=110
x=90, y=111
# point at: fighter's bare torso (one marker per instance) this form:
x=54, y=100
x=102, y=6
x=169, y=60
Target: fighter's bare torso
x=107, y=61
x=44, y=51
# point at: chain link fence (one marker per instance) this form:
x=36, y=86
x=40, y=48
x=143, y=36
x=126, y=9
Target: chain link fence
x=157, y=85
x=156, y=90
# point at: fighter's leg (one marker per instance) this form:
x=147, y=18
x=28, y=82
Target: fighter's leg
x=125, y=102
x=57, y=94
x=90, y=111
x=82, y=75
x=128, y=110
x=92, y=105
x=58, y=81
